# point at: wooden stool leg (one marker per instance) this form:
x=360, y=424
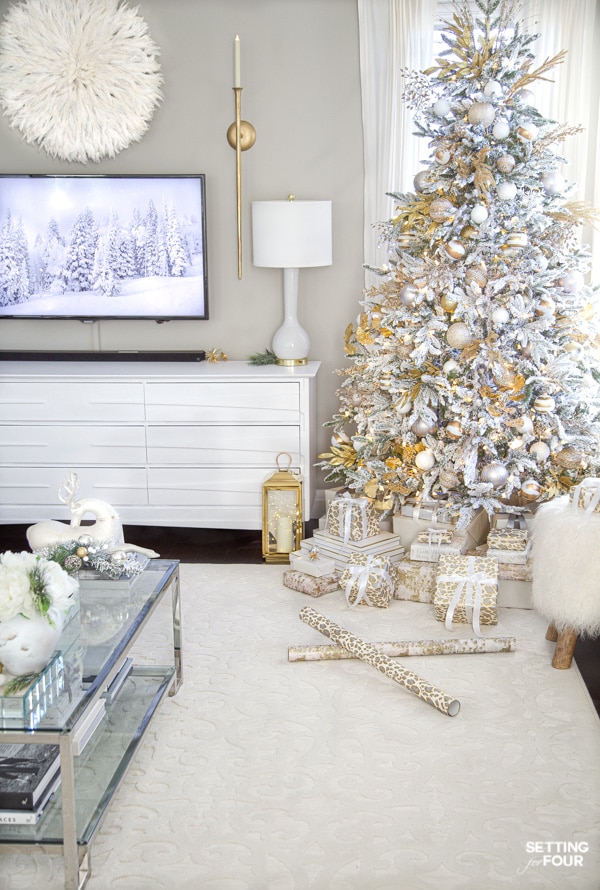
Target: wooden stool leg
x=552, y=633
x=565, y=646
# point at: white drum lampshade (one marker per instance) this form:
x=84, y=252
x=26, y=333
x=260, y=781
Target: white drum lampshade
x=291, y=235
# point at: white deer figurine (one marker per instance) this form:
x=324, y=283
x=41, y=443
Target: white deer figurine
x=106, y=528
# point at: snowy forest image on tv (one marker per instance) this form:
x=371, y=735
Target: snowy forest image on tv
x=103, y=247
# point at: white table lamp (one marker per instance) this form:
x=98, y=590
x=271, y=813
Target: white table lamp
x=291, y=235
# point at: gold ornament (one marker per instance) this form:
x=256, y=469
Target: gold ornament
x=442, y=156
x=454, y=430
x=468, y=232
x=531, y=490
x=216, y=355
x=476, y=275
x=441, y=209
x=516, y=239
x=448, y=303
x=455, y=249
x=81, y=552
x=544, y=404
x=569, y=458
x=449, y=479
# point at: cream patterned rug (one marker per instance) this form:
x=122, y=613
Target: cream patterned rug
x=263, y=774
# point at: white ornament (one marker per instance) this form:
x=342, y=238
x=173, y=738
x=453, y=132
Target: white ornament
x=574, y=350
x=27, y=644
x=79, y=78
x=408, y=295
x=524, y=424
x=492, y=88
x=479, y=214
x=500, y=316
x=420, y=180
x=527, y=133
x=553, y=183
x=458, y=335
x=539, y=451
x=506, y=191
x=544, y=404
x=442, y=156
x=450, y=367
x=505, y=163
x=422, y=427
x=425, y=460
x=572, y=282
x=501, y=129
x=403, y=407
x=441, y=108
x=482, y=113
x=526, y=97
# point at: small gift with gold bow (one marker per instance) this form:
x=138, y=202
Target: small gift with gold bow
x=311, y=562
x=432, y=542
x=352, y=518
x=466, y=591
x=368, y=580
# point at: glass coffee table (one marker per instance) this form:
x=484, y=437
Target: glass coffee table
x=96, y=708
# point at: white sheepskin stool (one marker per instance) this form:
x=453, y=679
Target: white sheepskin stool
x=566, y=574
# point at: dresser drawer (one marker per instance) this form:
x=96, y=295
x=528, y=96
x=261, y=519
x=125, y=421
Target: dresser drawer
x=206, y=488
x=222, y=445
x=34, y=485
x=67, y=444
x=223, y=402
x=37, y=400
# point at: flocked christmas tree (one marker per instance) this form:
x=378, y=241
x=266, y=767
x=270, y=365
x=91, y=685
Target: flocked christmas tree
x=474, y=375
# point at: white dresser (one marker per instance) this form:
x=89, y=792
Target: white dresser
x=167, y=443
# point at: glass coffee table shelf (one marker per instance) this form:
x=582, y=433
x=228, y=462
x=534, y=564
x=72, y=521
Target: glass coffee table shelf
x=97, y=650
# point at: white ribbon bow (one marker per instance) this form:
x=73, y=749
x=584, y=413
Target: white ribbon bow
x=361, y=574
x=472, y=583
x=591, y=486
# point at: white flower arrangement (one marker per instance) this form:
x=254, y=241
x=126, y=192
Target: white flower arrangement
x=30, y=585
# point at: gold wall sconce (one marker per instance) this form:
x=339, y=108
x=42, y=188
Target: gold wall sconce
x=241, y=136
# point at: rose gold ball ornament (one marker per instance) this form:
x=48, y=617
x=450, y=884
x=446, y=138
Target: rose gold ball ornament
x=544, y=404
x=495, y=473
x=424, y=460
x=501, y=129
x=449, y=479
x=531, y=490
x=539, y=451
x=458, y=335
x=420, y=180
x=455, y=249
x=481, y=114
x=442, y=156
x=479, y=214
x=441, y=209
x=454, y=430
x=527, y=132
x=505, y=163
x=572, y=282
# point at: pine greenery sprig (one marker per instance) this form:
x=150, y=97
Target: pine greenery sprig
x=267, y=357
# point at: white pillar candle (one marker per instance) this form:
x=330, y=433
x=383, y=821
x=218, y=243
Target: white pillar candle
x=284, y=535
x=237, y=82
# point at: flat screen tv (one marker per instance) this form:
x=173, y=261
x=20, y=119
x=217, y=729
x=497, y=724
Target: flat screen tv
x=89, y=247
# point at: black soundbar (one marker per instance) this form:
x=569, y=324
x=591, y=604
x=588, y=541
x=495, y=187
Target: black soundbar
x=123, y=355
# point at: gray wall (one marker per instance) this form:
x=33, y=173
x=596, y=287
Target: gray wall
x=300, y=74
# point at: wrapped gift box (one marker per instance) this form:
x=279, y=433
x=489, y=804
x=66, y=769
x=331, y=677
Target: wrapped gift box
x=368, y=580
x=510, y=557
x=507, y=539
x=331, y=547
x=407, y=528
x=352, y=519
x=309, y=584
x=311, y=562
x=429, y=550
x=586, y=495
x=415, y=581
x=511, y=520
x=466, y=590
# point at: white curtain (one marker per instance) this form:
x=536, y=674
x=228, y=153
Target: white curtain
x=399, y=33
x=394, y=34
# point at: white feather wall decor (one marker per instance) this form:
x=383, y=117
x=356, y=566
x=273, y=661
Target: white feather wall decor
x=79, y=78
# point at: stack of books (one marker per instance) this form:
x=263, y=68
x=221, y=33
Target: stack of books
x=29, y=776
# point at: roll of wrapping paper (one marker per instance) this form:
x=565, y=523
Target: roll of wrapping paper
x=468, y=646
x=368, y=652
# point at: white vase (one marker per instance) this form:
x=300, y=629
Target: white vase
x=27, y=644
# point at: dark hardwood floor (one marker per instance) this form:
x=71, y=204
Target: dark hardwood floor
x=232, y=546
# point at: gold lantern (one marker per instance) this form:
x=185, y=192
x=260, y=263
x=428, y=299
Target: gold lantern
x=282, y=513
